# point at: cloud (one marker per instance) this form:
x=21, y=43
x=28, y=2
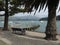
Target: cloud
x=2, y=12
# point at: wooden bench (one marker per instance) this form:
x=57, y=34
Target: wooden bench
x=22, y=30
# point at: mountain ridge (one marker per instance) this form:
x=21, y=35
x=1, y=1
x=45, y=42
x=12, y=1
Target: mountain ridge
x=46, y=18
x=22, y=18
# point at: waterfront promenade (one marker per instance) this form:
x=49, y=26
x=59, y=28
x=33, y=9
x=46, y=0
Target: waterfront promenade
x=31, y=38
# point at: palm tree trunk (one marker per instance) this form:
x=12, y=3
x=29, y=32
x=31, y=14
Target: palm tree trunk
x=6, y=22
x=51, y=24
x=6, y=16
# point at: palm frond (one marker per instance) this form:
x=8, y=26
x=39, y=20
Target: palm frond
x=40, y=4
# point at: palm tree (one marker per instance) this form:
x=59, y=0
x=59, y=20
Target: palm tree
x=51, y=25
x=6, y=12
x=1, y=6
x=52, y=6
x=6, y=16
x=13, y=9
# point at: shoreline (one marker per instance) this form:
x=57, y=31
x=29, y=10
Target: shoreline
x=26, y=30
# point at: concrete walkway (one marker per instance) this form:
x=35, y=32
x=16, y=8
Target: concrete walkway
x=13, y=39
x=2, y=43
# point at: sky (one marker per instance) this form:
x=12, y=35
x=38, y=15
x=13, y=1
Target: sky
x=40, y=14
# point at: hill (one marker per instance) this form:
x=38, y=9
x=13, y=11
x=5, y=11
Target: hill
x=21, y=18
x=24, y=18
x=57, y=18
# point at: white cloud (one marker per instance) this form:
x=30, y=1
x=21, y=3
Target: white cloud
x=2, y=12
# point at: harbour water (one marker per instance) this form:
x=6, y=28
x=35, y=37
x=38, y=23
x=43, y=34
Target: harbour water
x=32, y=23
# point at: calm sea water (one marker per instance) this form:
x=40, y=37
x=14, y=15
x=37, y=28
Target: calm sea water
x=32, y=23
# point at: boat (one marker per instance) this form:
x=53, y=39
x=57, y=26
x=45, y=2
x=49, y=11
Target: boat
x=41, y=21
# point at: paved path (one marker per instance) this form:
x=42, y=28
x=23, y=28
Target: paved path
x=2, y=43
x=13, y=39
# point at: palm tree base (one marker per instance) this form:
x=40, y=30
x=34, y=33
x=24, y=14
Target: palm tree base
x=50, y=37
x=54, y=39
x=5, y=29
